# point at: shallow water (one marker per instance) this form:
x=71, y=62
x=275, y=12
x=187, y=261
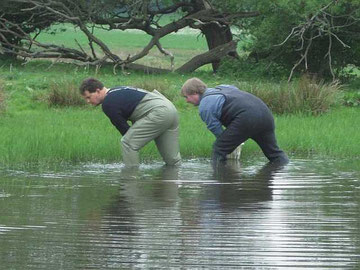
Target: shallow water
x=301, y=216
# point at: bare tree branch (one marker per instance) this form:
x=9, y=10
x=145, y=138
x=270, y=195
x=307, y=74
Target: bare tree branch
x=135, y=14
x=323, y=24
x=167, y=53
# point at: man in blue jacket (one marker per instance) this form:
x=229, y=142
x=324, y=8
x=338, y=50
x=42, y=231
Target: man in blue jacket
x=243, y=114
x=152, y=115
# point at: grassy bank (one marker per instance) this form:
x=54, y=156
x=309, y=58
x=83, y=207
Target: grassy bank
x=81, y=135
x=40, y=123
x=33, y=132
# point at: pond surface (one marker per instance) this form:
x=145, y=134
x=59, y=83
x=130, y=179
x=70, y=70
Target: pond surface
x=305, y=215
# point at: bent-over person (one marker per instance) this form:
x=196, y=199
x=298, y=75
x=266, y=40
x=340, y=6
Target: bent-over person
x=152, y=115
x=244, y=116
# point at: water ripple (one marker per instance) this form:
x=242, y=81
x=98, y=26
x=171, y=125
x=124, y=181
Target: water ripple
x=95, y=216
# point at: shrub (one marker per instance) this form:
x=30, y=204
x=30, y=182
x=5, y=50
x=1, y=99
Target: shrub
x=64, y=94
x=246, y=67
x=352, y=99
x=316, y=97
x=307, y=95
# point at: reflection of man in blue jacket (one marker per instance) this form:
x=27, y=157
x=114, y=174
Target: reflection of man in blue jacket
x=243, y=114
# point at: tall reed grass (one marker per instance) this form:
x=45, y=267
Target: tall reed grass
x=64, y=93
x=306, y=96
x=2, y=98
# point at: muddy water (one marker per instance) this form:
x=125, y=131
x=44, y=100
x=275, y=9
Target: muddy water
x=301, y=216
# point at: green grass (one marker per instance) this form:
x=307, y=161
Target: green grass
x=33, y=132
x=53, y=136
x=57, y=135
x=38, y=126
x=2, y=98
x=334, y=134
x=116, y=39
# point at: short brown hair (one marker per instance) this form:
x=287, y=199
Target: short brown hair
x=90, y=84
x=193, y=86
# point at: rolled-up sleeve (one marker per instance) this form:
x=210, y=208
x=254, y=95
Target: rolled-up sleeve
x=210, y=109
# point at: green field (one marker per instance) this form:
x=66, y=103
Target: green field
x=183, y=45
x=36, y=132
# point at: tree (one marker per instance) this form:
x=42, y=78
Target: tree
x=88, y=15
x=15, y=22
x=317, y=37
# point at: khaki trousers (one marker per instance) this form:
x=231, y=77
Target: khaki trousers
x=155, y=118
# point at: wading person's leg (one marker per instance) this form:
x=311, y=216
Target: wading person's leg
x=234, y=135
x=168, y=142
x=143, y=131
x=268, y=144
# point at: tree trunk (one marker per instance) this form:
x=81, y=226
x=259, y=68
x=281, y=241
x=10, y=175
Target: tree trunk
x=215, y=36
x=216, y=33
x=212, y=56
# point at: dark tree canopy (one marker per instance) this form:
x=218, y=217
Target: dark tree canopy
x=315, y=36
x=16, y=22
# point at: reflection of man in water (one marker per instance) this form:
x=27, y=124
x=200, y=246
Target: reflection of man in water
x=237, y=188
x=155, y=215
x=135, y=197
x=244, y=115
x=155, y=189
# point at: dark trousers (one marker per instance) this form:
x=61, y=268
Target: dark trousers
x=244, y=127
